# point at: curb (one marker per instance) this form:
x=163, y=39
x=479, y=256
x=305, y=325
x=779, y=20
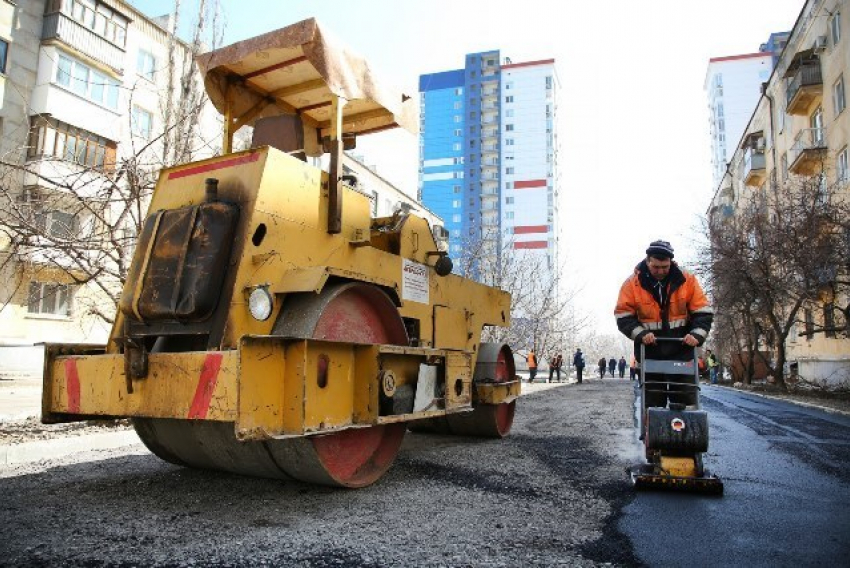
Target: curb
x=27, y=452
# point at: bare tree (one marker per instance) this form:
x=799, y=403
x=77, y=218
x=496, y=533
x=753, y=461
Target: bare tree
x=77, y=216
x=782, y=251
x=544, y=316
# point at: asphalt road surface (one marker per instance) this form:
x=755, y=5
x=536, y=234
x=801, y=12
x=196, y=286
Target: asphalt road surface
x=787, y=491
x=553, y=492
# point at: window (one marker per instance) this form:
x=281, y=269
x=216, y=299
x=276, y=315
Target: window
x=456, y=204
x=456, y=147
x=509, y=85
x=509, y=214
x=549, y=82
x=842, y=167
x=374, y=203
x=457, y=118
x=141, y=122
x=456, y=189
x=509, y=201
x=50, y=138
x=509, y=112
x=86, y=82
x=838, y=100
x=829, y=320
x=509, y=171
x=809, y=322
x=458, y=132
x=458, y=160
x=509, y=141
x=456, y=218
x=49, y=298
x=835, y=28
x=509, y=99
x=4, y=53
x=458, y=105
x=145, y=64
x=459, y=91
x=509, y=127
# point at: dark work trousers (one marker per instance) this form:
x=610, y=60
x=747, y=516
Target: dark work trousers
x=532, y=372
x=578, y=373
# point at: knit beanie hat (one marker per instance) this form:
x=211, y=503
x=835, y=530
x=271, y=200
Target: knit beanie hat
x=661, y=249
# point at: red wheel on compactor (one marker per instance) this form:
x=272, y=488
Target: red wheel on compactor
x=350, y=312
x=495, y=364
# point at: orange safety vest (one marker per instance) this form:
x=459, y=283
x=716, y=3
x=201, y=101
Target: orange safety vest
x=685, y=301
x=532, y=360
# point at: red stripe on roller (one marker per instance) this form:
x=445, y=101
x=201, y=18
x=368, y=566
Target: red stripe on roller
x=206, y=386
x=529, y=183
x=532, y=245
x=72, y=384
x=238, y=161
x=525, y=229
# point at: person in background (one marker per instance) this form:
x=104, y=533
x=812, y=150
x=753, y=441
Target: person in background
x=555, y=364
x=711, y=361
x=578, y=363
x=602, y=368
x=612, y=366
x=531, y=359
x=632, y=369
x=621, y=366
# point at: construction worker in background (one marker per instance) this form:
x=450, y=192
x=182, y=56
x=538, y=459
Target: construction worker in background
x=532, y=365
x=578, y=363
x=661, y=300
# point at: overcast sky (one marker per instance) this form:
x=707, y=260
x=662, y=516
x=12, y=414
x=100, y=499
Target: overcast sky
x=633, y=121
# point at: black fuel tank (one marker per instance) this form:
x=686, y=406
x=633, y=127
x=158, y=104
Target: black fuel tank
x=182, y=256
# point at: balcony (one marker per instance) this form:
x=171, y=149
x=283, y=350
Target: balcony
x=805, y=86
x=754, y=167
x=59, y=27
x=807, y=154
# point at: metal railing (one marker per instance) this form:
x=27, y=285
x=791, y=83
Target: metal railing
x=807, y=139
x=753, y=160
x=59, y=26
x=808, y=74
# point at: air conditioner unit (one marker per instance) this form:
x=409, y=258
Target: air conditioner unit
x=820, y=44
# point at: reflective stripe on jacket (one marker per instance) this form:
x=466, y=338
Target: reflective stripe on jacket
x=685, y=310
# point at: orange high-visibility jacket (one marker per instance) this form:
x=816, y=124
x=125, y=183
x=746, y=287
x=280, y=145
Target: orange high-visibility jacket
x=684, y=308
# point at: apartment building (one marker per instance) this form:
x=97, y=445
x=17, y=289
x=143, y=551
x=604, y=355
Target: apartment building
x=86, y=88
x=733, y=87
x=800, y=130
x=488, y=158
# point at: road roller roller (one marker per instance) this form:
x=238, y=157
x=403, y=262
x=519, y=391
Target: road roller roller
x=269, y=325
x=675, y=435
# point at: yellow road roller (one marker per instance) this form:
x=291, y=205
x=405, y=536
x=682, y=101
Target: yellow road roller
x=269, y=326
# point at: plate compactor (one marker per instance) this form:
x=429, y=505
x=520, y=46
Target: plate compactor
x=675, y=436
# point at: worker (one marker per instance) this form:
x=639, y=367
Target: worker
x=532, y=365
x=711, y=360
x=578, y=363
x=661, y=300
x=602, y=363
x=555, y=364
x=621, y=366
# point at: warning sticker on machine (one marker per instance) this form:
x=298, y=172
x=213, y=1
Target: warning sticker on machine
x=414, y=281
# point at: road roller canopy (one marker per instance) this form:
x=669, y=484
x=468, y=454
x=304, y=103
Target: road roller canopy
x=301, y=70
